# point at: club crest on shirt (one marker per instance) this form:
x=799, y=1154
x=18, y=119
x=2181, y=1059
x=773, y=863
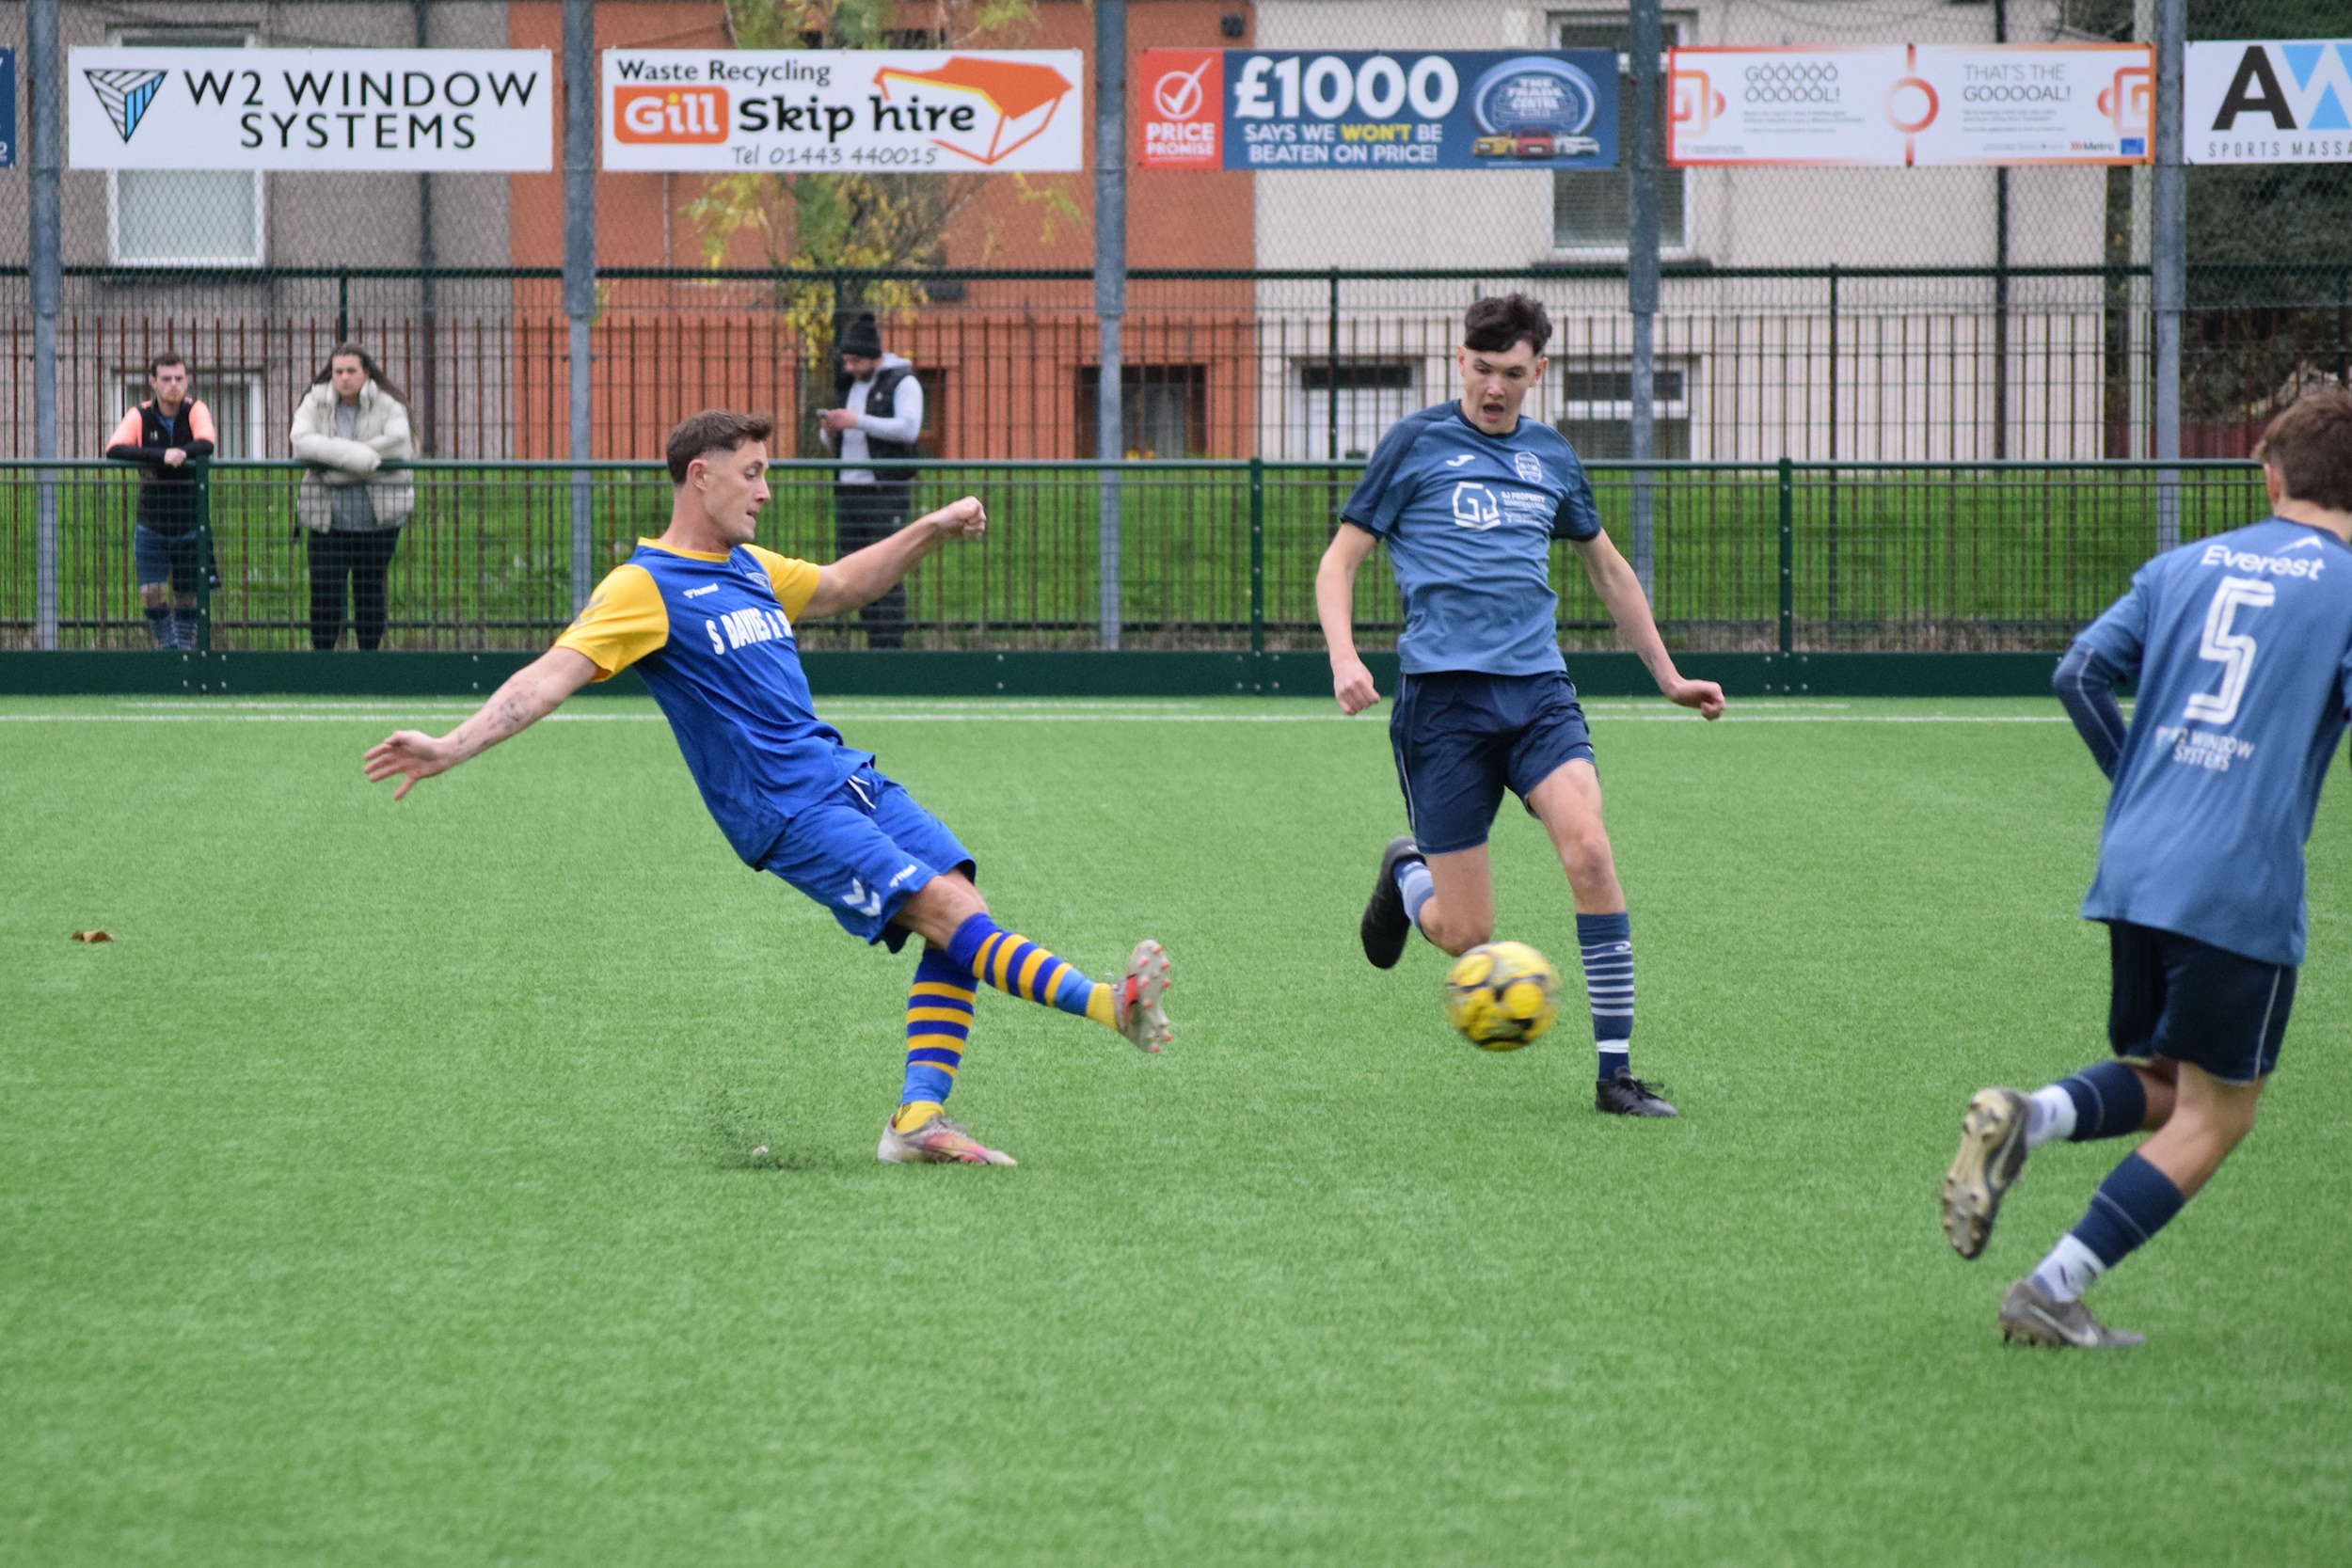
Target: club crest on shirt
x=1528, y=468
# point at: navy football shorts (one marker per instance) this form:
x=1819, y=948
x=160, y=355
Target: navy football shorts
x=863, y=852
x=157, y=557
x=2190, y=1001
x=1461, y=737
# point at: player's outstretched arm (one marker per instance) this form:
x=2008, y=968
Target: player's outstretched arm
x=533, y=692
x=863, y=575
x=1621, y=590
x=1335, y=607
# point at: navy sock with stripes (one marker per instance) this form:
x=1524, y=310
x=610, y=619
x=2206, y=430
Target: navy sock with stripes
x=1605, y=942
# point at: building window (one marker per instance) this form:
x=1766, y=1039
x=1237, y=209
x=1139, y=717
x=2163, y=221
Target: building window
x=1370, y=396
x=183, y=217
x=1162, y=409
x=233, y=396
x=1595, y=410
x=1588, y=208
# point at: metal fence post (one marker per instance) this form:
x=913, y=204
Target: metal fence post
x=1832, y=542
x=1640, y=275
x=44, y=239
x=1110, y=291
x=204, y=557
x=1788, y=557
x=1257, y=557
x=580, y=263
x=2171, y=263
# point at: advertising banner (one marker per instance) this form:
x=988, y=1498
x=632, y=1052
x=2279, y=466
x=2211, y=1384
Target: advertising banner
x=880, y=110
x=385, y=109
x=8, y=108
x=1898, y=105
x=2267, y=102
x=1354, y=108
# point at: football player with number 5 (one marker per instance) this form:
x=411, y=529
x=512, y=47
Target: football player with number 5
x=2242, y=648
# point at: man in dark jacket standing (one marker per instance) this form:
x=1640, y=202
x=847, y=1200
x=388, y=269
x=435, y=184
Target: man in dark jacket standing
x=881, y=418
x=166, y=434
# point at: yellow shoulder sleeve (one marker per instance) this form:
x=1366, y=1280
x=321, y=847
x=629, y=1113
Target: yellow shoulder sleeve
x=795, y=581
x=624, y=621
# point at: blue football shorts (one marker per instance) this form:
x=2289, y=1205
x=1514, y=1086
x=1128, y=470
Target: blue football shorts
x=2187, y=1000
x=863, y=852
x=160, y=557
x=1461, y=737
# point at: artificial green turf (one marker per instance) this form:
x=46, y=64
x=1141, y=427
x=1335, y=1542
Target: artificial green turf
x=385, y=1193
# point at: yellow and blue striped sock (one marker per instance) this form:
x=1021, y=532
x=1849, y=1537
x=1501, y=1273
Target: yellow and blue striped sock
x=939, y=1022
x=1019, y=967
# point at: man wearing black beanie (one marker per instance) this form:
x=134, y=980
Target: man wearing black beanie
x=880, y=418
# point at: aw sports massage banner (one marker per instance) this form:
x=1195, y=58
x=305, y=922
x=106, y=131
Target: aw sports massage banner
x=2268, y=102
x=1898, y=105
x=1262, y=109
x=720, y=111
x=385, y=109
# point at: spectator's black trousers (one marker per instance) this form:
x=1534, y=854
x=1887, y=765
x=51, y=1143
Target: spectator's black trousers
x=867, y=514
x=366, y=559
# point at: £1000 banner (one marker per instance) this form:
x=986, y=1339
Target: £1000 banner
x=1363, y=109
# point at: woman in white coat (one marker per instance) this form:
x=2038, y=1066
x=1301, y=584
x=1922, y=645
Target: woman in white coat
x=349, y=422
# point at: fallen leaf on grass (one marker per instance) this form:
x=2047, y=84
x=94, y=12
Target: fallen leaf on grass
x=93, y=936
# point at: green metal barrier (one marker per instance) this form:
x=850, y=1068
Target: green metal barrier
x=1783, y=559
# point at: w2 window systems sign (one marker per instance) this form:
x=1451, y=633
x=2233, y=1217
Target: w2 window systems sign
x=1898, y=105
x=786, y=110
x=2268, y=102
x=1262, y=109
x=413, y=110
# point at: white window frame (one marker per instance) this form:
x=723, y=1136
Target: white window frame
x=246, y=383
x=1312, y=429
x=1565, y=409
x=1686, y=26
x=148, y=36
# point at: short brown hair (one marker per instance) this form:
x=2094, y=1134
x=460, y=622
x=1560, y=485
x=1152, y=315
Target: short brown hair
x=168, y=357
x=2310, y=446
x=713, y=429
x=1493, y=325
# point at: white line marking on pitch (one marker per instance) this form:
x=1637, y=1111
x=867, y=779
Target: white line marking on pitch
x=394, y=715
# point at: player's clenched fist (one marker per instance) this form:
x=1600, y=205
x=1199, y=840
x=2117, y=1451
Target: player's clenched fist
x=1351, y=683
x=966, y=518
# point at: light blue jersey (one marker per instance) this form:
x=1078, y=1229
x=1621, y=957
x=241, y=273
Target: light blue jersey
x=1469, y=519
x=2241, y=646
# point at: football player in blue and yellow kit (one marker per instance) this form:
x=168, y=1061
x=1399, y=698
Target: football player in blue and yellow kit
x=1469, y=497
x=706, y=617
x=2242, y=648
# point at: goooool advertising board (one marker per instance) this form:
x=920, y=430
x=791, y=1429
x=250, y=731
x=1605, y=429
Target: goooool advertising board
x=880, y=110
x=1264, y=109
x=325, y=109
x=1902, y=104
x=2268, y=102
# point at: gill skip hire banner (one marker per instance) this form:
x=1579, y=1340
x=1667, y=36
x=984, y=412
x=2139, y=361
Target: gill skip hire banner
x=2268, y=102
x=388, y=109
x=789, y=110
x=1366, y=109
x=1903, y=105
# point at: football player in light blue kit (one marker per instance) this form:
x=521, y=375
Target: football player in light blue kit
x=2242, y=648
x=1469, y=497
